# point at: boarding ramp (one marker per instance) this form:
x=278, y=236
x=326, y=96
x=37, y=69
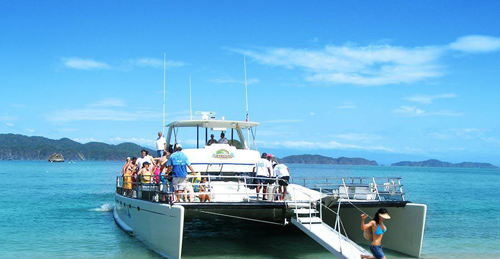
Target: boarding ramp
x=310, y=221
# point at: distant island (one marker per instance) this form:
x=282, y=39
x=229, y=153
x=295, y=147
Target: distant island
x=437, y=163
x=318, y=159
x=20, y=147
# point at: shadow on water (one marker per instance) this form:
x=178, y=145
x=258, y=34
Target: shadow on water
x=236, y=238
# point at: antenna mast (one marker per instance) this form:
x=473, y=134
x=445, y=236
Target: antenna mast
x=164, y=88
x=190, y=104
x=246, y=98
x=246, y=86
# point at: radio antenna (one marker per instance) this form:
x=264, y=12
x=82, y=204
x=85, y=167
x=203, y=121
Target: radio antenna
x=164, y=89
x=190, y=103
x=246, y=98
x=246, y=87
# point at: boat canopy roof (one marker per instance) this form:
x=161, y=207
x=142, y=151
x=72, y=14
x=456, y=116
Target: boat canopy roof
x=213, y=124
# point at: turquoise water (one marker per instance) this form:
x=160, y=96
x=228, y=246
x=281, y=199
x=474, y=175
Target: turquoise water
x=64, y=210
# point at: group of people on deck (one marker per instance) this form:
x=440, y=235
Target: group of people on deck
x=268, y=172
x=171, y=167
x=166, y=167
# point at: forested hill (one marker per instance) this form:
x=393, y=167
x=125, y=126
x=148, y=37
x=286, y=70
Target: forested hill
x=437, y=163
x=20, y=147
x=318, y=159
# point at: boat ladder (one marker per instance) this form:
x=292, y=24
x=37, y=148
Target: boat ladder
x=309, y=220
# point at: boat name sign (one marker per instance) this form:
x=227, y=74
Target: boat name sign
x=223, y=154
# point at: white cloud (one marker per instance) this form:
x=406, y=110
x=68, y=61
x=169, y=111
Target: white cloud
x=30, y=130
x=412, y=111
x=282, y=121
x=476, y=44
x=428, y=99
x=109, y=102
x=66, y=130
x=370, y=65
x=84, y=64
x=360, y=65
x=440, y=136
x=409, y=111
x=139, y=141
x=101, y=114
x=226, y=80
x=312, y=114
x=155, y=62
x=347, y=106
x=8, y=124
x=308, y=145
x=491, y=140
x=358, y=137
x=8, y=118
x=469, y=133
x=445, y=113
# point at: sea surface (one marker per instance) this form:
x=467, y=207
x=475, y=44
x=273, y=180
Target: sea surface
x=63, y=210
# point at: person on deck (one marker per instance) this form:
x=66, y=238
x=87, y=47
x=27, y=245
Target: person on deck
x=145, y=173
x=161, y=145
x=263, y=173
x=375, y=230
x=223, y=139
x=211, y=140
x=177, y=165
x=145, y=158
x=204, y=189
x=128, y=175
x=125, y=165
x=281, y=171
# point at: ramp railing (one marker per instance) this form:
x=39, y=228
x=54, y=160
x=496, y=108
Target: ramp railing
x=338, y=228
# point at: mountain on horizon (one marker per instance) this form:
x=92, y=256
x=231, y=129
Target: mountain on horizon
x=318, y=159
x=21, y=147
x=438, y=163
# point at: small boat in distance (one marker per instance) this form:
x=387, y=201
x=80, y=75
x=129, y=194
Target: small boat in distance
x=326, y=209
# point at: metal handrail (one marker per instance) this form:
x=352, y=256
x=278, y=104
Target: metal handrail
x=384, y=188
x=165, y=189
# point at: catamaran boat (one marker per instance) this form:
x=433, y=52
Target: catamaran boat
x=326, y=209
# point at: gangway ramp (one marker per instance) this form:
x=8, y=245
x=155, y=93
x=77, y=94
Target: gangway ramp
x=339, y=245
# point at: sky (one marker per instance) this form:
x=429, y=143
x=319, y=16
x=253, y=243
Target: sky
x=389, y=81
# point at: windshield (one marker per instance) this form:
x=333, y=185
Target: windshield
x=199, y=137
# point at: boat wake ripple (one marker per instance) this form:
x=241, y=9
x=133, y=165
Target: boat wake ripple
x=104, y=208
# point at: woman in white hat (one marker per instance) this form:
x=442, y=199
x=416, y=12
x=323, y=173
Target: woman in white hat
x=374, y=231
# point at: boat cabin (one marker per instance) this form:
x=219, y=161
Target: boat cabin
x=236, y=154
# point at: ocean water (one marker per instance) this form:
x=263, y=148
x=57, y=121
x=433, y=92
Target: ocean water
x=64, y=211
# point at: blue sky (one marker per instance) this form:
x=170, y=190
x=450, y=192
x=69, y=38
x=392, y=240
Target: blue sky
x=385, y=80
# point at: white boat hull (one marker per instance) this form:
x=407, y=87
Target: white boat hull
x=405, y=228
x=160, y=226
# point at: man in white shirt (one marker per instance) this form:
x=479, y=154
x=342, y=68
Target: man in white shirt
x=263, y=172
x=281, y=171
x=161, y=145
x=223, y=139
x=145, y=158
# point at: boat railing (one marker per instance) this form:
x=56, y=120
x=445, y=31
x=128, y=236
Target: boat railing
x=218, y=188
x=356, y=188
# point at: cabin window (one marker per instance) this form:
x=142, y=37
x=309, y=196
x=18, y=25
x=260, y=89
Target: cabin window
x=199, y=137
